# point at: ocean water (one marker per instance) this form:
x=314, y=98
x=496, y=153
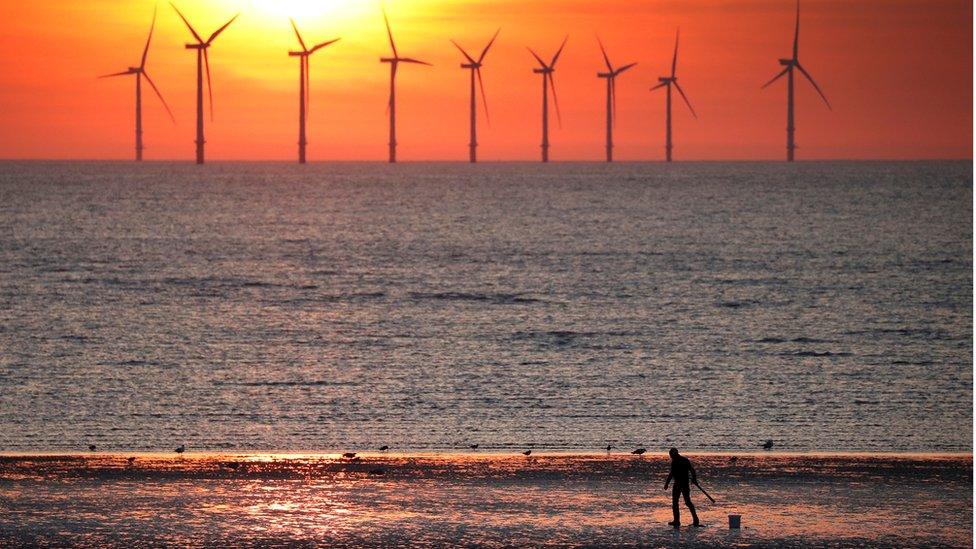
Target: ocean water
x=253, y=306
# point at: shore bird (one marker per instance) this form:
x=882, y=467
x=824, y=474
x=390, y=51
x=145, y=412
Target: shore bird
x=130, y=460
x=768, y=445
x=527, y=453
x=349, y=455
x=179, y=450
x=91, y=447
x=473, y=446
x=639, y=451
x=384, y=448
x=609, y=448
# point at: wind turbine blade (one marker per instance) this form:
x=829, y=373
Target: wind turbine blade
x=123, y=73
x=415, y=61
x=555, y=98
x=298, y=34
x=685, y=97
x=221, y=29
x=537, y=58
x=145, y=51
x=488, y=47
x=206, y=61
x=469, y=58
x=160, y=96
x=389, y=33
x=674, y=61
x=815, y=86
x=659, y=86
x=606, y=58
x=625, y=68
x=559, y=52
x=484, y=97
x=317, y=47
x=796, y=35
x=188, y=25
x=775, y=78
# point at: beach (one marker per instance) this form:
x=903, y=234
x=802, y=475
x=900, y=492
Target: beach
x=482, y=499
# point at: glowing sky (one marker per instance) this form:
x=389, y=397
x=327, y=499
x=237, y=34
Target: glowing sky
x=898, y=73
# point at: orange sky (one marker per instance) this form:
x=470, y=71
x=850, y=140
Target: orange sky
x=898, y=73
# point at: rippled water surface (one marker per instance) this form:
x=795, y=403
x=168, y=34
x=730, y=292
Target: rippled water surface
x=827, y=306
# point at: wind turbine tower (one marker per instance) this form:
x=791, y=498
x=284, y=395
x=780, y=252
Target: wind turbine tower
x=475, y=67
x=546, y=70
x=611, y=76
x=789, y=66
x=203, y=58
x=140, y=73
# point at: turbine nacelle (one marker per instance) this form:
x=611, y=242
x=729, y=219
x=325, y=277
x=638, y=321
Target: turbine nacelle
x=470, y=65
x=199, y=46
x=297, y=53
x=545, y=70
x=605, y=75
x=787, y=62
x=667, y=79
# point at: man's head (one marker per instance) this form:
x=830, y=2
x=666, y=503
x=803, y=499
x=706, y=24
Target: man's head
x=673, y=452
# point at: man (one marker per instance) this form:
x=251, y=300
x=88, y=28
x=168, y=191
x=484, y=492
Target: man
x=684, y=476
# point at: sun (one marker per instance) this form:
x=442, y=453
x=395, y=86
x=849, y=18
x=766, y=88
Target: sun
x=298, y=9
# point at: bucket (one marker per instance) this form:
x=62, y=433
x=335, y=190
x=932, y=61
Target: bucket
x=735, y=522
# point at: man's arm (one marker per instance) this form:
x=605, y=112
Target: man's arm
x=668, y=482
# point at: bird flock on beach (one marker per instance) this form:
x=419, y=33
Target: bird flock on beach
x=181, y=449
x=546, y=69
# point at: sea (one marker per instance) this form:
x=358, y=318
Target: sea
x=431, y=307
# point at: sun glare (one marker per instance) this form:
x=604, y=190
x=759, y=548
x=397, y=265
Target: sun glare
x=338, y=9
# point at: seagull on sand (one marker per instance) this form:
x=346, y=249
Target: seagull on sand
x=384, y=448
x=768, y=445
x=609, y=448
x=180, y=449
x=349, y=455
x=130, y=460
x=91, y=447
x=527, y=453
x=639, y=451
x=473, y=446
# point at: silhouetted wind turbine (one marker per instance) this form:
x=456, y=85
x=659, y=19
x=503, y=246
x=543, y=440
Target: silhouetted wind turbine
x=394, y=62
x=475, y=68
x=303, y=85
x=546, y=71
x=202, y=59
x=611, y=76
x=140, y=72
x=668, y=81
x=790, y=64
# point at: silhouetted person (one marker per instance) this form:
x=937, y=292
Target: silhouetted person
x=683, y=475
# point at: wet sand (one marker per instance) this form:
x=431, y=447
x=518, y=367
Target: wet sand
x=481, y=500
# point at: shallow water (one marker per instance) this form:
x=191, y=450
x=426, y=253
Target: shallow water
x=484, y=500
x=827, y=306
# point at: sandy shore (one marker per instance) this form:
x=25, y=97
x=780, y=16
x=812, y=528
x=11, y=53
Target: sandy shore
x=481, y=500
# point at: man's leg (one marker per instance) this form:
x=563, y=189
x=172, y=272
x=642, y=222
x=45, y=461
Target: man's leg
x=686, y=492
x=675, y=494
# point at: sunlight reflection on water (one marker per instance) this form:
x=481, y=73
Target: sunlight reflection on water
x=489, y=500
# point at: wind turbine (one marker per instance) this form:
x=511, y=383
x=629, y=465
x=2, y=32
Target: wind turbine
x=611, y=76
x=790, y=64
x=394, y=62
x=668, y=81
x=202, y=59
x=141, y=73
x=475, y=68
x=303, y=56
x=546, y=71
